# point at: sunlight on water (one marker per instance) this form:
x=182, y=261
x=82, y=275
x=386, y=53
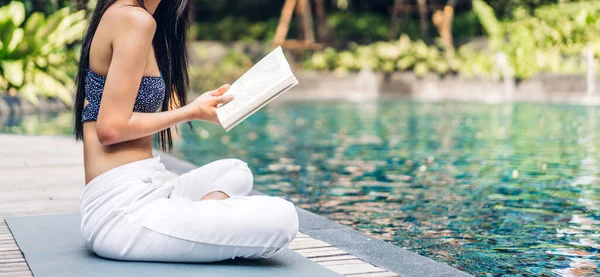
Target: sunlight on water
x=495, y=190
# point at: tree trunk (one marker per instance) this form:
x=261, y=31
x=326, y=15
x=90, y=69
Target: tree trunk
x=304, y=12
x=443, y=21
x=284, y=22
x=395, y=19
x=324, y=33
x=423, y=17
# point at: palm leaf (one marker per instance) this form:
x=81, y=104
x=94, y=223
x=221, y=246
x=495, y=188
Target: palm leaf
x=13, y=71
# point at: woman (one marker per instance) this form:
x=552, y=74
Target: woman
x=131, y=84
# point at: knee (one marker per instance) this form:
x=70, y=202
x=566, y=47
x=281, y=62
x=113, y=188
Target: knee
x=239, y=164
x=243, y=174
x=284, y=221
x=292, y=223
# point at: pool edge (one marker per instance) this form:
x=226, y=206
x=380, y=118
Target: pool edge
x=369, y=249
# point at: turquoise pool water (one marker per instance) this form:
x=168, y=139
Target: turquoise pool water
x=494, y=190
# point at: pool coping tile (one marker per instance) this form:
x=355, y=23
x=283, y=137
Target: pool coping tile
x=369, y=249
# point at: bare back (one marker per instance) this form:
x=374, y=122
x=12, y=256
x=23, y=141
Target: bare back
x=99, y=158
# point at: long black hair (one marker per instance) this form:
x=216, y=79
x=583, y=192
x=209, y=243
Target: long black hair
x=169, y=42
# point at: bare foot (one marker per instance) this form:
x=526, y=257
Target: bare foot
x=215, y=195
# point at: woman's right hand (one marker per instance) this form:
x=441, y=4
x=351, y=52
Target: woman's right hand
x=205, y=106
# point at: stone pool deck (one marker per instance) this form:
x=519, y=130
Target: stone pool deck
x=44, y=175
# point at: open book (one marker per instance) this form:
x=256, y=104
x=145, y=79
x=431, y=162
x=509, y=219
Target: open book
x=266, y=80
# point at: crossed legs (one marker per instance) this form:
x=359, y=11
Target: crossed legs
x=217, y=180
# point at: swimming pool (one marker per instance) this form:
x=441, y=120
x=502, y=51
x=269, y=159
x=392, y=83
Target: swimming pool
x=494, y=190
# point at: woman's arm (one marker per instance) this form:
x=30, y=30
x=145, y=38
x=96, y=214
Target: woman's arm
x=145, y=124
x=131, y=47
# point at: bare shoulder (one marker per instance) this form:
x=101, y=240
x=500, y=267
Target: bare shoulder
x=132, y=19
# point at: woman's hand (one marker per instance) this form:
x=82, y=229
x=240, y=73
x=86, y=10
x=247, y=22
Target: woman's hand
x=205, y=106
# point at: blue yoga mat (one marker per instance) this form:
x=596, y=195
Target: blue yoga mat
x=53, y=247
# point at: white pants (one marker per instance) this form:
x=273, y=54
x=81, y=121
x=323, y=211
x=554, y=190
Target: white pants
x=139, y=211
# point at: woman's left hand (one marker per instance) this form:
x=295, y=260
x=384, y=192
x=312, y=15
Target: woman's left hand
x=205, y=106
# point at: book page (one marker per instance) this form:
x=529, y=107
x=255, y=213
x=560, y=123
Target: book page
x=260, y=79
x=263, y=102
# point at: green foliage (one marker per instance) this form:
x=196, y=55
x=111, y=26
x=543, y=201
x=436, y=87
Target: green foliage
x=488, y=20
x=400, y=55
x=552, y=39
x=233, y=29
x=372, y=27
x=44, y=6
x=365, y=27
x=214, y=74
x=466, y=26
x=36, y=56
x=504, y=8
x=355, y=27
x=473, y=63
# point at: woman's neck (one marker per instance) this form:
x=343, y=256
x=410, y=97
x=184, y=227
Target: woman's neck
x=151, y=5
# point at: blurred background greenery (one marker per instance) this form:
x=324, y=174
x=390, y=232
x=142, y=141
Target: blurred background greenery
x=39, y=39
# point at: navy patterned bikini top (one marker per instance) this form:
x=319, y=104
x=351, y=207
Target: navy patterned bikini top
x=149, y=98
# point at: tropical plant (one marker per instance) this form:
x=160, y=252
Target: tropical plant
x=214, y=74
x=473, y=63
x=236, y=28
x=401, y=55
x=362, y=28
x=550, y=39
x=37, y=54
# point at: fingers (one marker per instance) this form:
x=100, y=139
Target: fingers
x=223, y=99
x=218, y=97
x=222, y=89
